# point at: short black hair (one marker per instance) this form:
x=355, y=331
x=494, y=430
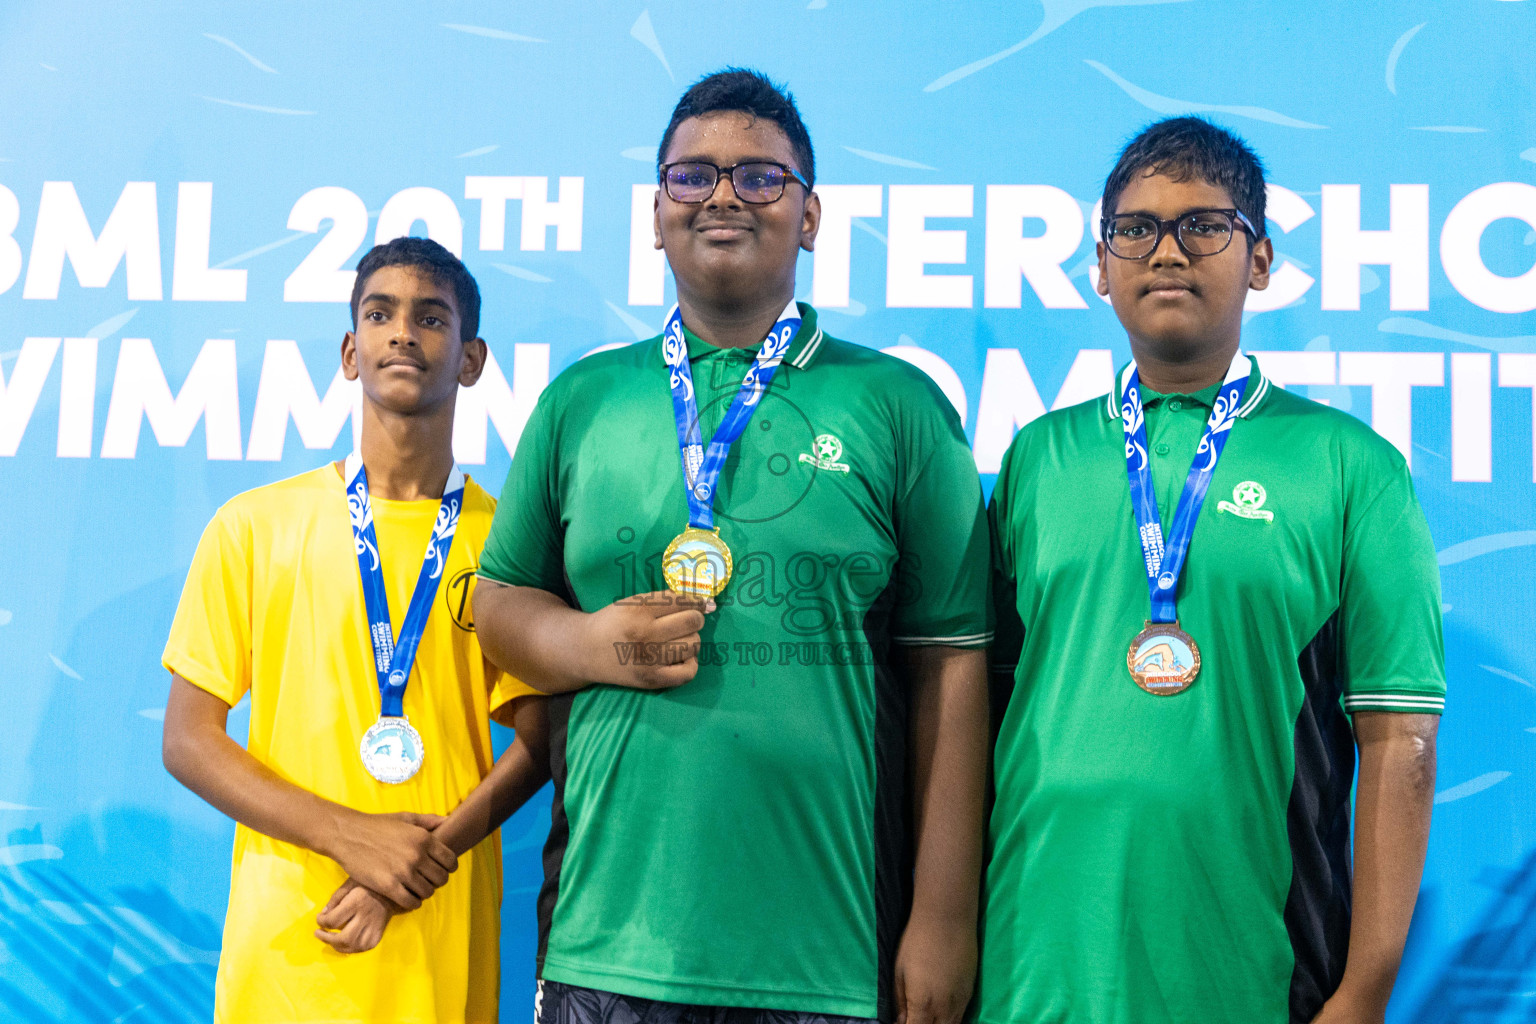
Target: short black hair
x=1192, y=147
x=437, y=263
x=752, y=93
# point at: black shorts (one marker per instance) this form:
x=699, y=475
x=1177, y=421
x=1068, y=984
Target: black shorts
x=558, y=1003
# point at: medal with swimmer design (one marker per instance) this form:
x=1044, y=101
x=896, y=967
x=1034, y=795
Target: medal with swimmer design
x=697, y=563
x=1163, y=659
x=392, y=750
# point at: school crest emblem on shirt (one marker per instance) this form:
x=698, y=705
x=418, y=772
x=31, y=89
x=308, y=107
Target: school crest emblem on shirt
x=1247, y=501
x=827, y=450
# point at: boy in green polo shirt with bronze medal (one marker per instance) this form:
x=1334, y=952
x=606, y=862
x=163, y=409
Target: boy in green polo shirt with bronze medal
x=1182, y=684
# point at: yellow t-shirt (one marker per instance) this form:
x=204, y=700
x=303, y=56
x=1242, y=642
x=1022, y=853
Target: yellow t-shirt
x=273, y=606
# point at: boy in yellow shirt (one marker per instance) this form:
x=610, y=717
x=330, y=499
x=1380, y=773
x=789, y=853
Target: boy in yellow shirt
x=370, y=697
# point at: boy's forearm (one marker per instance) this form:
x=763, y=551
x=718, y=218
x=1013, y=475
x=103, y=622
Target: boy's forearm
x=201, y=756
x=949, y=757
x=1392, y=812
x=531, y=634
x=644, y=641
x=395, y=855
x=935, y=970
x=516, y=776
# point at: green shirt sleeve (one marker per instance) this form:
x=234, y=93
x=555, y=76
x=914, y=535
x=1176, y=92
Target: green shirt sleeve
x=1392, y=655
x=943, y=551
x=525, y=546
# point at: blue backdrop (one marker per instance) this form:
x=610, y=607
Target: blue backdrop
x=184, y=186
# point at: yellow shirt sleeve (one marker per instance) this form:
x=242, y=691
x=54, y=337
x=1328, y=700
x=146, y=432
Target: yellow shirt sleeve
x=210, y=641
x=507, y=689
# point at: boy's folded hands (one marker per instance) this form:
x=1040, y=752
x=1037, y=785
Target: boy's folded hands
x=354, y=918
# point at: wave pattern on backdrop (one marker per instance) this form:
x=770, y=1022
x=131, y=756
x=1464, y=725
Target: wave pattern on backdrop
x=183, y=194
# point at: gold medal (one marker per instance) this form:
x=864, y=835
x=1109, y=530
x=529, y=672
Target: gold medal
x=697, y=563
x=1163, y=659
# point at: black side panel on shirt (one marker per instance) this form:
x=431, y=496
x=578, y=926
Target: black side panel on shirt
x=1318, y=906
x=1002, y=668
x=1007, y=644
x=559, y=826
x=892, y=826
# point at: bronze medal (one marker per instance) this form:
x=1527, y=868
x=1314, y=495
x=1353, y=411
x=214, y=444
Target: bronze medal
x=1163, y=659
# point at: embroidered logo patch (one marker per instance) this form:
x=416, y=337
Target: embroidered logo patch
x=828, y=449
x=1247, y=501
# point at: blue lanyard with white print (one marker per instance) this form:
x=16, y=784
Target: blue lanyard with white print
x=701, y=466
x=393, y=658
x=1165, y=563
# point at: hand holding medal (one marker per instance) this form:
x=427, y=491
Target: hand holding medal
x=698, y=563
x=647, y=641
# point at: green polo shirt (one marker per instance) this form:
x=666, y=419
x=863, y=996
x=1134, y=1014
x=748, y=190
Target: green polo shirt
x=740, y=840
x=1185, y=858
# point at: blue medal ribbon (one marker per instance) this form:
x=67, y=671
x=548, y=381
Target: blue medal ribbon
x=701, y=466
x=1165, y=562
x=393, y=658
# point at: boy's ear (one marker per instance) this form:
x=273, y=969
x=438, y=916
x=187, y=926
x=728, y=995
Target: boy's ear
x=1260, y=260
x=1102, y=287
x=810, y=222
x=474, y=362
x=349, y=356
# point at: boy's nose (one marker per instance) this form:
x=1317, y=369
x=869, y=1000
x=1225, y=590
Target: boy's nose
x=1168, y=252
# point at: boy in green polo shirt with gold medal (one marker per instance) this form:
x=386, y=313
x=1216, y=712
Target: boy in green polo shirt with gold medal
x=1183, y=680
x=770, y=806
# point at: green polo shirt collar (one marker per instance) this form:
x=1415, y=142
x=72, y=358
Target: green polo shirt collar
x=804, y=348
x=1258, y=391
x=1205, y=396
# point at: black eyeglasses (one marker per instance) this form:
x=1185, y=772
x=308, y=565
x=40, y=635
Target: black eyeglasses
x=1135, y=236
x=757, y=182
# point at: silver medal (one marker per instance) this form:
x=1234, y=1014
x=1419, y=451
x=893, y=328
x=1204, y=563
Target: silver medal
x=392, y=750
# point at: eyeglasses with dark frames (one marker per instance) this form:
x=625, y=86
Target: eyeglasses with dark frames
x=1135, y=236
x=757, y=182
